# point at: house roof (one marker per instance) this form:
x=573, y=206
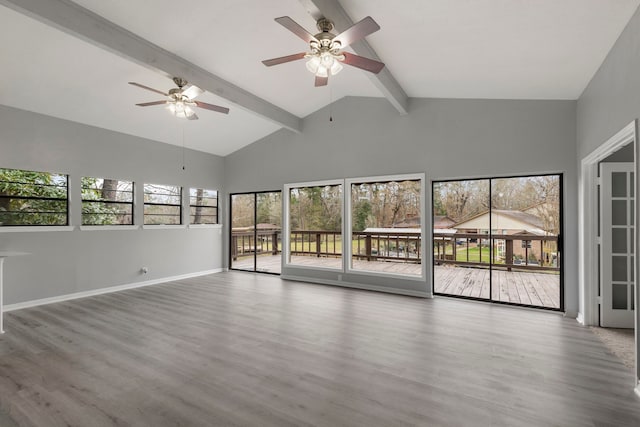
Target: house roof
x=528, y=220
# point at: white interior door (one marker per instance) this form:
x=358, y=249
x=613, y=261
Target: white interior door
x=617, y=206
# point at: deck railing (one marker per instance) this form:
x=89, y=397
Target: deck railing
x=508, y=252
x=246, y=243
x=525, y=252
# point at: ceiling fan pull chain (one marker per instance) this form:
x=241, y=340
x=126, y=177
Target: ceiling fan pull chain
x=330, y=104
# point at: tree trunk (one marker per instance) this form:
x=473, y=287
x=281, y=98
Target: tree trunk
x=198, y=213
x=109, y=189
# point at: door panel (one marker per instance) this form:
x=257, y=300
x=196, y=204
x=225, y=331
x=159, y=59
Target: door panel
x=255, y=241
x=617, y=198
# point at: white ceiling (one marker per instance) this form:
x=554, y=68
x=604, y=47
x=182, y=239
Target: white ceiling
x=498, y=49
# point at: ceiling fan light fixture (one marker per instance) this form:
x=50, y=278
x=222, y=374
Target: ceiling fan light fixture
x=324, y=64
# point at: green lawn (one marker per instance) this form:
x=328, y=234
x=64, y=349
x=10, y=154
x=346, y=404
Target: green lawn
x=474, y=254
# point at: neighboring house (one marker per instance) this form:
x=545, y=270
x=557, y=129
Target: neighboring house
x=512, y=223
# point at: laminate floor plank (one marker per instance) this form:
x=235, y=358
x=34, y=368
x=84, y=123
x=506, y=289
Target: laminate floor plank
x=245, y=349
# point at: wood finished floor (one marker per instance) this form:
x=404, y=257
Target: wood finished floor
x=246, y=349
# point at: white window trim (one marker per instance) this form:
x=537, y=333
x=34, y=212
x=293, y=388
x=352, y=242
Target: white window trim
x=204, y=226
x=286, y=225
x=34, y=228
x=424, y=235
x=163, y=226
x=108, y=227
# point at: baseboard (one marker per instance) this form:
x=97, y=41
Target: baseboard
x=388, y=290
x=637, y=389
x=571, y=314
x=110, y=289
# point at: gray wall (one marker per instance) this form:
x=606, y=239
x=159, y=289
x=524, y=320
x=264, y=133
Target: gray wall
x=609, y=103
x=65, y=262
x=612, y=98
x=443, y=138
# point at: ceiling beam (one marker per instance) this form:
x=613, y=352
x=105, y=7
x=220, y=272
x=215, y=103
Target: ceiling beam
x=384, y=80
x=86, y=25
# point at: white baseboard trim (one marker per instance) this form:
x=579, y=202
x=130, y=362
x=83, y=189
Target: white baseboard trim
x=637, y=389
x=407, y=292
x=108, y=290
x=571, y=314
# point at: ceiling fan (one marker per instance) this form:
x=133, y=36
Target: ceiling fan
x=181, y=99
x=325, y=48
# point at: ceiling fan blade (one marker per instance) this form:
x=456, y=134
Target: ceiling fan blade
x=296, y=29
x=283, y=59
x=191, y=91
x=148, y=88
x=321, y=81
x=363, y=63
x=147, y=104
x=212, y=107
x=193, y=116
x=357, y=31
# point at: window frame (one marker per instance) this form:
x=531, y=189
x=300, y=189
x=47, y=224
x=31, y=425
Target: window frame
x=181, y=224
x=132, y=225
x=217, y=208
x=286, y=226
x=42, y=227
x=424, y=235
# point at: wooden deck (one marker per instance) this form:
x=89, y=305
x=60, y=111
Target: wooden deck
x=519, y=287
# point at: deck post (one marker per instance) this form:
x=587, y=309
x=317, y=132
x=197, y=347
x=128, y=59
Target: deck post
x=509, y=253
x=367, y=245
x=318, y=238
x=274, y=243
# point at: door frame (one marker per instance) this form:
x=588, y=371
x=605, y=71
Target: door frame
x=588, y=223
x=560, y=243
x=255, y=230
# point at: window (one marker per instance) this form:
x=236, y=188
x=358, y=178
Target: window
x=107, y=201
x=33, y=198
x=385, y=225
x=203, y=206
x=162, y=204
x=315, y=225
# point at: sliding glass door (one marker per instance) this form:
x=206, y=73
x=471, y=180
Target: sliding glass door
x=256, y=232
x=498, y=240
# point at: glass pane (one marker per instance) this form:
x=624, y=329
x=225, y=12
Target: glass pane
x=315, y=217
x=461, y=244
x=386, y=227
x=243, y=245
x=202, y=197
x=526, y=270
x=619, y=212
x=619, y=268
x=619, y=240
x=165, y=194
x=619, y=297
x=269, y=232
x=619, y=184
x=161, y=215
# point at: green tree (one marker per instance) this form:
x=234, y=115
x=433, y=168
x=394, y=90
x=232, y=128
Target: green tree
x=32, y=198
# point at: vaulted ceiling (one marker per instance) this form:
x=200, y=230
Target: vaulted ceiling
x=72, y=60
